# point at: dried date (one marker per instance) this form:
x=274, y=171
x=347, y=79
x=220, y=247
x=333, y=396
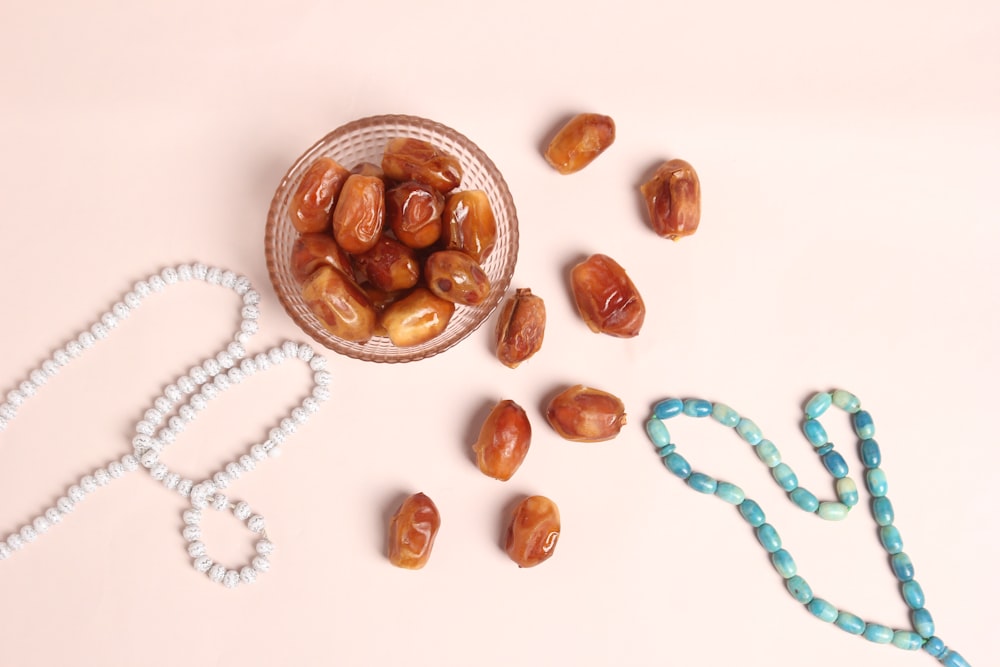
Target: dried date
x=580, y=141
x=673, y=199
x=533, y=531
x=412, y=531
x=469, y=223
x=520, y=328
x=456, y=277
x=360, y=213
x=408, y=159
x=503, y=441
x=413, y=212
x=416, y=318
x=340, y=304
x=312, y=203
x=607, y=299
x=584, y=414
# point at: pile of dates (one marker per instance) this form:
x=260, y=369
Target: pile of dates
x=391, y=249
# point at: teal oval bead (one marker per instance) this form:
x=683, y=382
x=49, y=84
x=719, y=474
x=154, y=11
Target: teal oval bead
x=907, y=640
x=784, y=564
x=799, y=589
x=668, y=408
x=666, y=450
x=768, y=453
x=833, y=511
x=891, y=540
x=879, y=634
x=878, y=484
x=752, y=512
x=847, y=491
x=846, y=401
x=913, y=594
x=883, y=512
x=678, y=465
x=818, y=404
x=923, y=622
x=863, y=425
x=785, y=476
x=725, y=415
x=731, y=493
x=935, y=647
x=768, y=537
x=815, y=433
x=749, y=431
x=657, y=432
x=835, y=465
x=702, y=483
x=696, y=407
x=822, y=610
x=902, y=566
x=953, y=659
x=850, y=623
x=871, y=455
x=804, y=498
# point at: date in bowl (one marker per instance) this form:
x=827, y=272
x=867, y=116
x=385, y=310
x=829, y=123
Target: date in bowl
x=364, y=140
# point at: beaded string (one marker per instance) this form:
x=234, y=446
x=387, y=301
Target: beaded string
x=921, y=635
x=171, y=412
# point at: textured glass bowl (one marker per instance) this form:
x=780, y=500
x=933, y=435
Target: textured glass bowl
x=364, y=141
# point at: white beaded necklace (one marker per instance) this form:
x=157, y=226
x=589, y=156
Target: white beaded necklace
x=170, y=414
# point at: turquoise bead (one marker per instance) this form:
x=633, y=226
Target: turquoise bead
x=923, y=622
x=863, y=425
x=883, y=512
x=749, y=431
x=935, y=647
x=702, y=483
x=832, y=511
x=878, y=484
x=657, y=432
x=815, y=433
x=784, y=564
x=822, y=451
x=902, y=566
x=768, y=537
x=879, y=634
x=913, y=594
x=731, y=493
x=678, y=465
x=671, y=407
x=891, y=539
x=871, y=455
x=846, y=401
x=906, y=640
x=847, y=491
x=850, y=623
x=785, y=476
x=799, y=589
x=804, y=498
x=835, y=464
x=822, y=610
x=818, y=404
x=696, y=407
x=768, y=453
x=666, y=450
x=725, y=415
x=752, y=512
x=953, y=659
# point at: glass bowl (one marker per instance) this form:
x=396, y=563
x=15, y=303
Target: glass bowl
x=364, y=140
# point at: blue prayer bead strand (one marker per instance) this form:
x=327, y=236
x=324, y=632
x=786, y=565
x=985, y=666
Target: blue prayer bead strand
x=923, y=622
x=902, y=566
x=657, y=432
x=725, y=415
x=850, y=623
x=818, y=405
x=702, y=483
x=863, y=425
x=847, y=491
x=695, y=407
x=668, y=408
x=907, y=640
x=871, y=455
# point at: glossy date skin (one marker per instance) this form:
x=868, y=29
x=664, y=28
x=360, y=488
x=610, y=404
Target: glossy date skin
x=311, y=251
x=413, y=213
x=408, y=159
x=340, y=304
x=533, y=531
x=580, y=141
x=359, y=215
x=454, y=276
x=673, y=199
x=416, y=318
x=585, y=414
x=312, y=203
x=606, y=298
x=520, y=328
x=469, y=224
x=412, y=531
x=389, y=265
x=504, y=440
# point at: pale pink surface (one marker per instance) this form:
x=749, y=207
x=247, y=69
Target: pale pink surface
x=848, y=159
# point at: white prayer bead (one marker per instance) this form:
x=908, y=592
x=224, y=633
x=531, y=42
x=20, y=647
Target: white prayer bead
x=242, y=510
x=248, y=575
x=256, y=523
x=231, y=579
x=217, y=572
x=203, y=563
x=261, y=563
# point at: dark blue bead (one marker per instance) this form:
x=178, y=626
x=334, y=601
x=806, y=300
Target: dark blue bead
x=668, y=408
x=871, y=455
x=835, y=464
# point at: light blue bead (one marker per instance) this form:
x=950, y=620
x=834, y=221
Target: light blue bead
x=725, y=415
x=731, y=493
x=913, y=594
x=752, y=512
x=923, y=622
x=815, y=433
x=863, y=425
x=902, y=566
x=891, y=540
x=804, y=498
x=822, y=610
x=879, y=634
x=666, y=450
x=878, y=484
x=883, y=512
x=768, y=453
x=799, y=589
x=768, y=537
x=953, y=659
x=696, y=407
x=784, y=563
x=906, y=640
x=832, y=511
x=850, y=623
x=678, y=465
x=785, y=476
x=657, y=432
x=749, y=431
x=871, y=454
x=935, y=647
x=818, y=404
x=846, y=401
x=835, y=464
x=847, y=491
x=702, y=483
x=668, y=408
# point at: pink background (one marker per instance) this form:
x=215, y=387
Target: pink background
x=848, y=157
